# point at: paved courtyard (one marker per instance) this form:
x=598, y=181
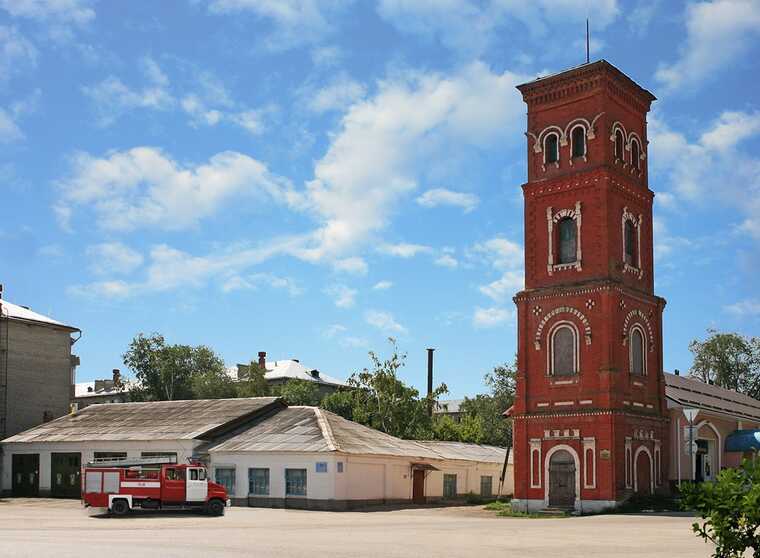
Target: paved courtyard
x=62, y=528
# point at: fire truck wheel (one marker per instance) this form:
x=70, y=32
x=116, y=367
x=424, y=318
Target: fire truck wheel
x=215, y=507
x=119, y=507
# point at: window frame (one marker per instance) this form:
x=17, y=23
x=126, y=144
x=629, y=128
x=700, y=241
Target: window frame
x=640, y=330
x=630, y=235
x=447, y=485
x=576, y=349
x=231, y=490
x=635, y=160
x=556, y=150
x=252, y=483
x=619, y=155
x=289, y=483
x=572, y=225
x=583, y=155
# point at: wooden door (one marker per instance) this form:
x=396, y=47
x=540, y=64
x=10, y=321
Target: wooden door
x=65, y=471
x=562, y=480
x=643, y=474
x=418, y=486
x=25, y=468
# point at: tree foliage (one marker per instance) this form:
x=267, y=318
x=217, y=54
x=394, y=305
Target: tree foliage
x=728, y=360
x=299, y=392
x=729, y=509
x=252, y=382
x=379, y=399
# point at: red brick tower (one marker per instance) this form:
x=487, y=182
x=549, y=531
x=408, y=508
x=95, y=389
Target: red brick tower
x=590, y=424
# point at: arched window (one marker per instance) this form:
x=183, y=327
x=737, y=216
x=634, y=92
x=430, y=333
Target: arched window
x=578, y=137
x=568, y=241
x=563, y=351
x=635, y=149
x=551, y=148
x=619, y=143
x=630, y=244
x=637, y=352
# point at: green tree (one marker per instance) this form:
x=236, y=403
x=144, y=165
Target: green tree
x=252, y=382
x=166, y=372
x=729, y=509
x=213, y=384
x=729, y=360
x=300, y=392
x=379, y=399
x=446, y=429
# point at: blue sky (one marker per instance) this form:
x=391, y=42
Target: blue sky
x=309, y=177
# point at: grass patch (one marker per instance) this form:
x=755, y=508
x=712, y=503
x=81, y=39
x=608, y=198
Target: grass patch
x=503, y=508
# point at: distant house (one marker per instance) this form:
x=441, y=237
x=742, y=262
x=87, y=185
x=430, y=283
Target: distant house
x=449, y=408
x=280, y=371
x=111, y=390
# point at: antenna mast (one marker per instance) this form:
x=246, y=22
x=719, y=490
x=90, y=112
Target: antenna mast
x=588, y=53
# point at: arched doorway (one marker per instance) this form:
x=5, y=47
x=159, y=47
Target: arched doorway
x=643, y=473
x=562, y=479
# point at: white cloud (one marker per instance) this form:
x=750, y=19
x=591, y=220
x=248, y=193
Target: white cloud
x=500, y=252
x=343, y=296
x=333, y=330
x=382, y=285
x=17, y=53
x=337, y=95
x=386, y=141
x=749, y=307
x=9, y=130
x=384, y=321
x=354, y=265
x=446, y=260
x=78, y=12
x=490, y=317
x=442, y=196
x=103, y=289
x=143, y=187
x=295, y=21
x=113, y=258
x=252, y=282
x=403, y=249
x=509, y=284
x=718, y=33
x=470, y=25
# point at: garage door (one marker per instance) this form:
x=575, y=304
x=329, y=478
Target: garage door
x=25, y=468
x=65, y=469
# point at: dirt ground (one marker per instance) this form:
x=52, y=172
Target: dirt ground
x=62, y=528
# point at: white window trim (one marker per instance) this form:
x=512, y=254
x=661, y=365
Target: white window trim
x=551, y=219
x=636, y=221
x=589, y=444
x=643, y=449
x=559, y=151
x=585, y=143
x=535, y=447
x=550, y=353
x=628, y=463
x=644, y=342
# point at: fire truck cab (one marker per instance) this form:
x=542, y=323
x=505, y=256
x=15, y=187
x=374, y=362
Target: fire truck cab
x=121, y=485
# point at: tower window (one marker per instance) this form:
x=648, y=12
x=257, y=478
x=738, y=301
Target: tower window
x=619, y=142
x=568, y=240
x=563, y=351
x=578, y=138
x=630, y=244
x=635, y=150
x=551, y=148
x=637, y=352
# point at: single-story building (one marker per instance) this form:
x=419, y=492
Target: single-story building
x=265, y=453
x=725, y=428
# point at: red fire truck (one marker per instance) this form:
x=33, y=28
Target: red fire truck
x=122, y=485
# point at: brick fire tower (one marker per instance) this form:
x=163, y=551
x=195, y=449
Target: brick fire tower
x=590, y=426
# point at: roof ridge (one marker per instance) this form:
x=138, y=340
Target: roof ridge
x=324, y=426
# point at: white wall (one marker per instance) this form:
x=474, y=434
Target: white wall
x=183, y=448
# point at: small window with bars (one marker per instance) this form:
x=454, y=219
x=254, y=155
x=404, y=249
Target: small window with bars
x=258, y=482
x=449, y=486
x=295, y=482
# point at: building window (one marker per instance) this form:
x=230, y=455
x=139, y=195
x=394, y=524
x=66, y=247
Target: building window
x=449, y=486
x=340, y=466
x=295, y=482
x=321, y=467
x=635, y=154
x=551, y=148
x=154, y=454
x=109, y=455
x=226, y=477
x=563, y=351
x=619, y=143
x=486, y=486
x=630, y=244
x=258, y=482
x=568, y=240
x=578, y=138
x=637, y=352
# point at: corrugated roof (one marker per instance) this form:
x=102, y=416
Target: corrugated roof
x=156, y=420
x=310, y=429
x=16, y=312
x=691, y=392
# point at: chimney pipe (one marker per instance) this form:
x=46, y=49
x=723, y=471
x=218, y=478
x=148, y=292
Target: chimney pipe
x=678, y=372
x=116, y=377
x=262, y=360
x=430, y=380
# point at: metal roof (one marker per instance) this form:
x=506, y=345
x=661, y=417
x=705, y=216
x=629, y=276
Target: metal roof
x=690, y=392
x=290, y=370
x=155, y=420
x=310, y=429
x=444, y=406
x=21, y=313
